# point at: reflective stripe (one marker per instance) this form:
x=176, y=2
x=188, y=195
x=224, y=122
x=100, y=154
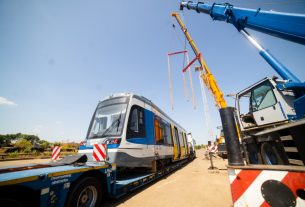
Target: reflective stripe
x=56, y=153
x=44, y=191
x=246, y=185
x=99, y=152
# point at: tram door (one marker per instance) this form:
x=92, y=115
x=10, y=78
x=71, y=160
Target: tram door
x=175, y=150
x=158, y=136
x=176, y=137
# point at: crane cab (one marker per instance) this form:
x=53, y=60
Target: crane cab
x=263, y=104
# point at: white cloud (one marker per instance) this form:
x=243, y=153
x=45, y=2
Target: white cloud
x=4, y=101
x=37, y=128
x=35, y=131
x=58, y=122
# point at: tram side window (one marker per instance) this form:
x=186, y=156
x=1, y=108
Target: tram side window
x=167, y=134
x=177, y=137
x=181, y=139
x=185, y=140
x=172, y=130
x=159, y=131
x=136, y=124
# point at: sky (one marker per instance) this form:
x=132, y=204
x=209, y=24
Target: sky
x=59, y=58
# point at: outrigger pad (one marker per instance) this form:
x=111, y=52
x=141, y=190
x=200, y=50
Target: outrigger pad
x=71, y=159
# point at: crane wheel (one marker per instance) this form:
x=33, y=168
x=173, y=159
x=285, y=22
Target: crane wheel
x=254, y=154
x=270, y=154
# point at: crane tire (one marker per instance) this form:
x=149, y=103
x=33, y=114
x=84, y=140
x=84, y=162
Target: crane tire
x=254, y=154
x=85, y=192
x=270, y=154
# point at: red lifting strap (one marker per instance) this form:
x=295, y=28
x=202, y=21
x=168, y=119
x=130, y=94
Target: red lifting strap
x=176, y=53
x=197, y=57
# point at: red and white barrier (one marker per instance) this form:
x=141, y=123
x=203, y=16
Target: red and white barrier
x=252, y=187
x=99, y=152
x=56, y=153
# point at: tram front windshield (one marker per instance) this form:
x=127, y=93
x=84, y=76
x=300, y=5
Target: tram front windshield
x=108, y=119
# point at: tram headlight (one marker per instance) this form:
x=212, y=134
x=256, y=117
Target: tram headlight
x=114, y=141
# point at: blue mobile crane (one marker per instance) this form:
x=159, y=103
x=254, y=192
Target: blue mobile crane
x=273, y=128
x=273, y=103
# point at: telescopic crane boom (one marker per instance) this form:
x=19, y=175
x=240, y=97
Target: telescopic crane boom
x=206, y=76
x=287, y=26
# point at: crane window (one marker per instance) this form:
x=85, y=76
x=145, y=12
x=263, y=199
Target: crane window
x=136, y=124
x=262, y=97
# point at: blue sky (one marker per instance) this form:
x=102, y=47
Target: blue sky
x=58, y=58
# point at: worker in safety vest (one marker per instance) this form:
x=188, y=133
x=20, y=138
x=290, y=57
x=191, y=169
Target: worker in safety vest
x=208, y=149
x=214, y=148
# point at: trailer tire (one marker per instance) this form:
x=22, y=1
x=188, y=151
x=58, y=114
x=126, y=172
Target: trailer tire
x=16, y=196
x=11, y=202
x=270, y=154
x=85, y=192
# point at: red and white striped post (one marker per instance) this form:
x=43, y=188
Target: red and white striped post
x=255, y=187
x=56, y=153
x=99, y=152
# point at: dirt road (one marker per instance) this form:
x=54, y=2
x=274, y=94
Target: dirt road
x=193, y=185
x=22, y=162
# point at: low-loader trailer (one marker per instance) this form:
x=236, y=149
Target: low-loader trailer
x=71, y=181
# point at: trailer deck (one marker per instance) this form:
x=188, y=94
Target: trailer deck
x=50, y=185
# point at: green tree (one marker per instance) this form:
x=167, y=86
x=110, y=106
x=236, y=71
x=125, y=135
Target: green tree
x=23, y=145
x=32, y=138
x=57, y=144
x=4, y=141
x=44, y=144
x=7, y=139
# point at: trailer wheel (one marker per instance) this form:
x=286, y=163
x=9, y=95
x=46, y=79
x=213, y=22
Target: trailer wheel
x=18, y=196
x=11, y=202
x=270, y=154
x=87, y=192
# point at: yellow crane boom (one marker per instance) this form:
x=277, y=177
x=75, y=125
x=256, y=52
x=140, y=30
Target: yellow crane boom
x=206, y=76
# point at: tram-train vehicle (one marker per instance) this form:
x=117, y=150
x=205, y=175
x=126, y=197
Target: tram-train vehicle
x=136, y=131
